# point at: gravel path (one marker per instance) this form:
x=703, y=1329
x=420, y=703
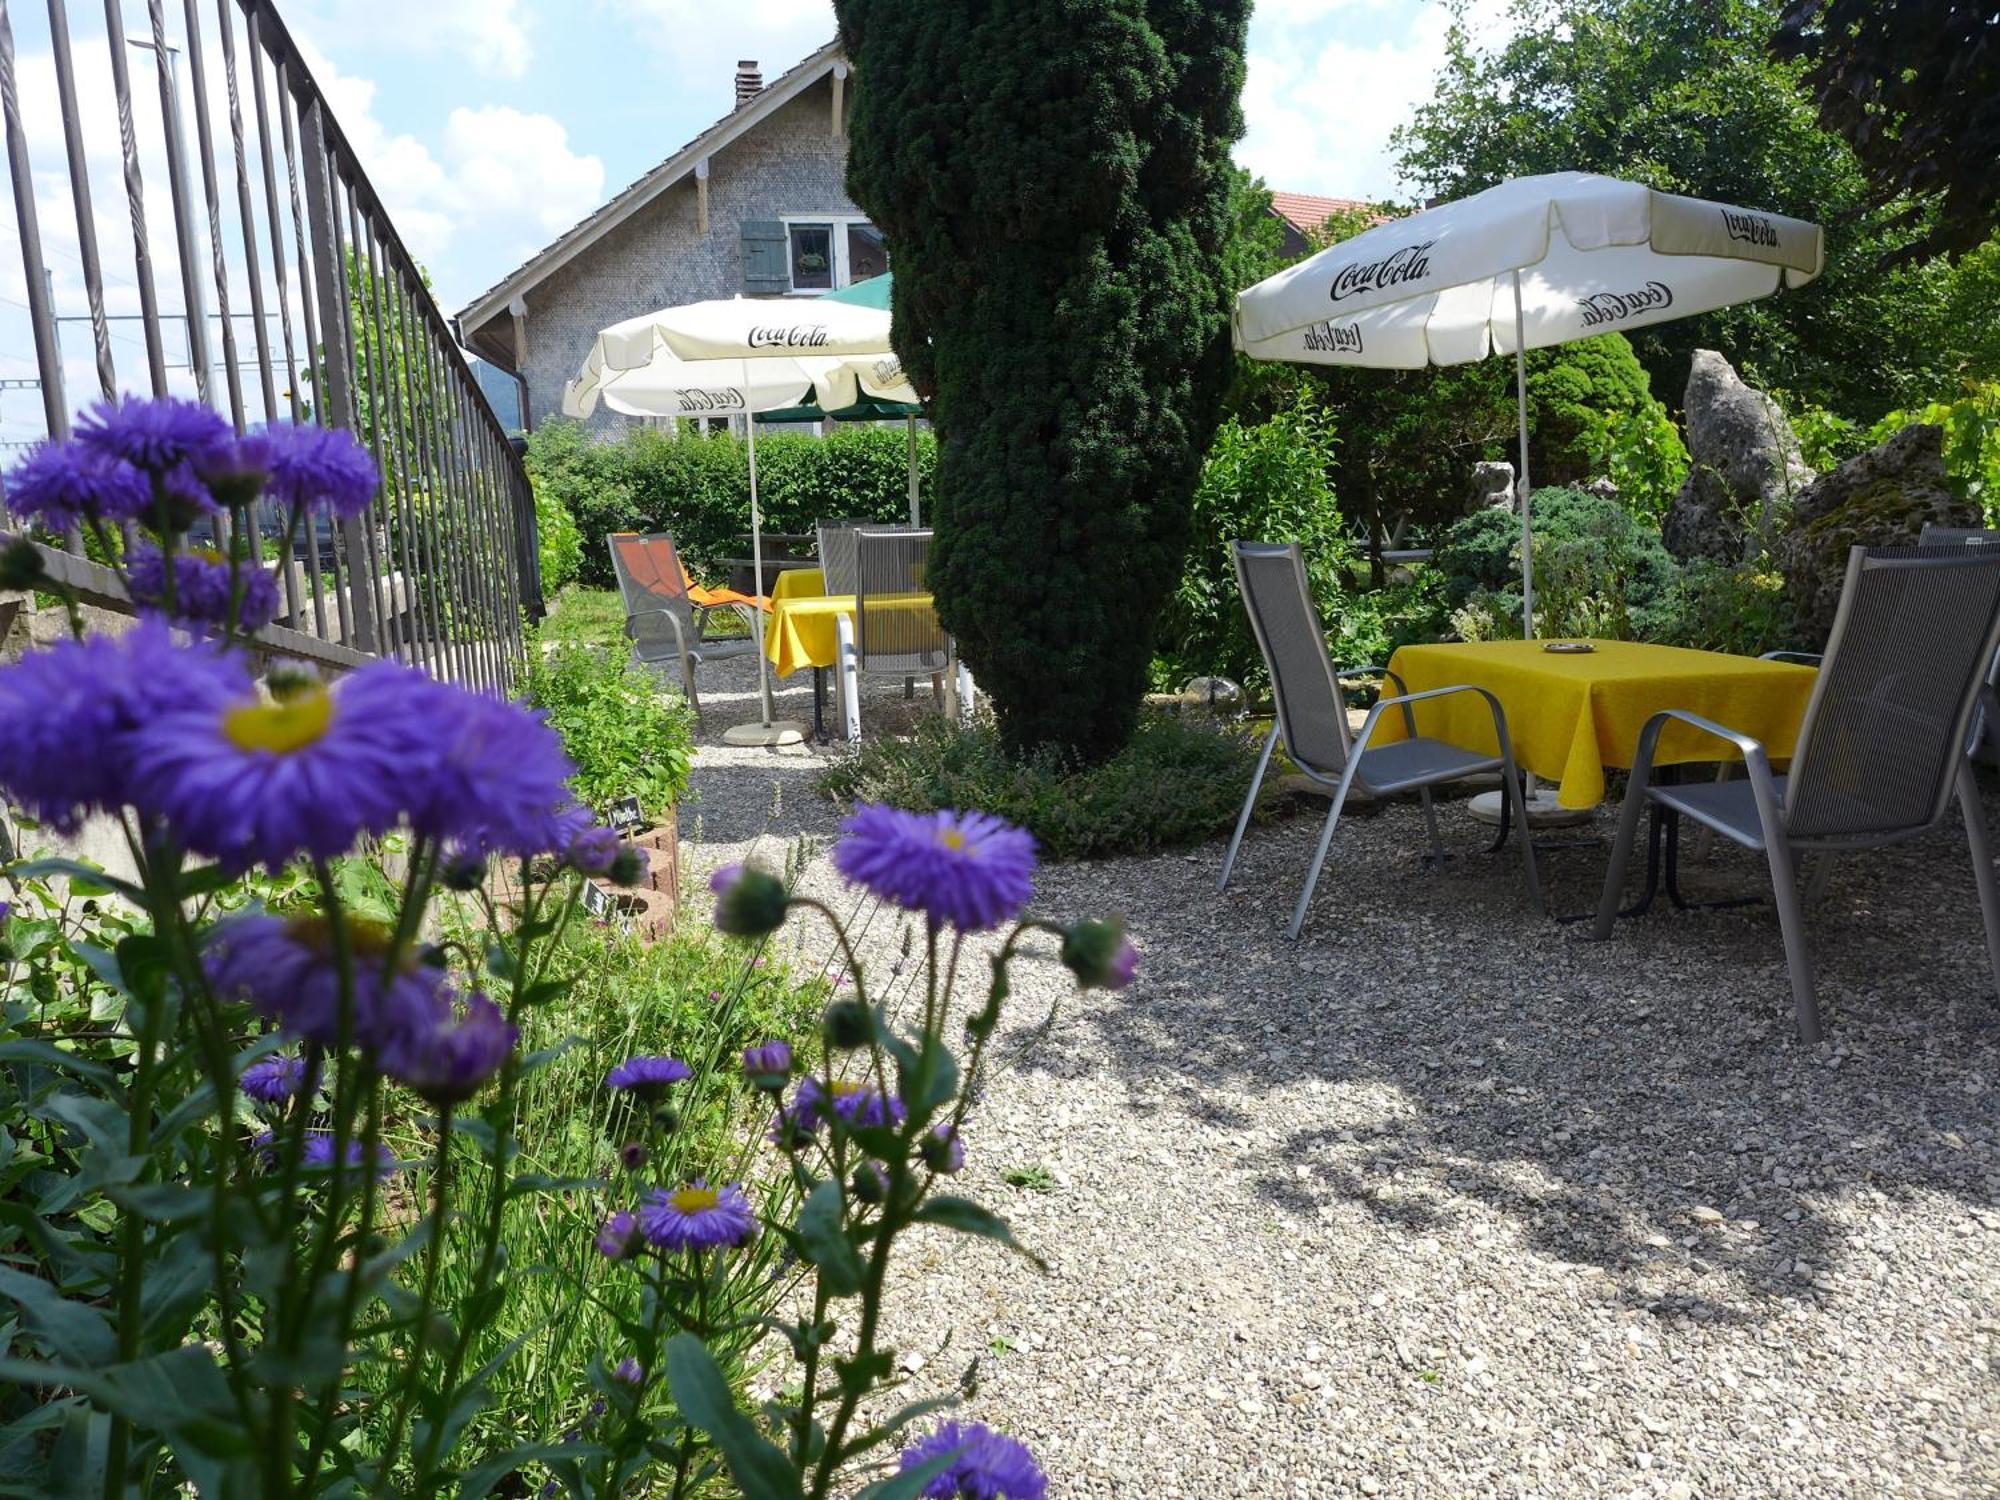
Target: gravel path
x=1445, y=1201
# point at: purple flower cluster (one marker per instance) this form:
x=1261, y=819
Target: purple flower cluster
x=648, y=1077
x=64, y=484
x=968, y=870
x=852, y=1102
x=321, y=470
x=697, y=1217
x=181, y=732
x=274, y=1078
x=157, y=435
x=202, y=588
x=988, y=1466
x=403, y=1014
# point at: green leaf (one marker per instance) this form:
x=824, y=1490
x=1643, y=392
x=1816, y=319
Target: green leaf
x=696, y=1382
x=78, y=1334
x=910, y=1483
x=82, y=1449
x=967, y=1217
x=145, y=963
x=479, y=1482
x=85, y=879
x=50, y=1055
x=826, y=1243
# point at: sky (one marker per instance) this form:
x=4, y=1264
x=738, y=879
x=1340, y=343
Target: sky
x=491, y=126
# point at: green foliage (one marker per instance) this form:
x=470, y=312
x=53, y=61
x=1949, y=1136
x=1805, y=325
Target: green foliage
x=698, y=487
x=1971, y=423
x=1598, y=569
x=1176, y=782
x=1053, y=175
x=1689, y=99
x=1640, y=452
x=1572, y=390
x=627, y=737
x=1826, y=439
x=559, y=541
x=1261, y=484
x=1740, y=608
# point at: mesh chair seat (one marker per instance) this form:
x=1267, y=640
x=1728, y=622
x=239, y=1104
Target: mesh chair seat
x=1729, y=807
x=1412, y=763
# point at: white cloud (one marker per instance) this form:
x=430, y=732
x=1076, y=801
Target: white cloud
x=702, y=45
x=1319, y=114
x=491, y=35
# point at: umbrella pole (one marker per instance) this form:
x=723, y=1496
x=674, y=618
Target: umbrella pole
x=915, y=509
x=1522, y=488
x=766, y=732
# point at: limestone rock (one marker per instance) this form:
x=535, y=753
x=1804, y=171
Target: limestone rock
x=1492, y=488
x=1881, y=498
x=1746, y=466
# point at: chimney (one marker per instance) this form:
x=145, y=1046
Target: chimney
x=749, y=81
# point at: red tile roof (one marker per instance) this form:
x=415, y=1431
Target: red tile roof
x=1308, y=213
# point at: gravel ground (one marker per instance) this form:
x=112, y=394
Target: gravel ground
x=1446, y=1201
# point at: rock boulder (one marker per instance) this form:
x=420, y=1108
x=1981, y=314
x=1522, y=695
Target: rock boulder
x=1492, y=487
x=1882, y=498
x=1745, y=466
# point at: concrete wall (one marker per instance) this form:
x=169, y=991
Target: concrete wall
x=790, y=166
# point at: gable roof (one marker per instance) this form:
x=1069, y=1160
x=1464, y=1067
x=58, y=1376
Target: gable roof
x=493, y=302
x=1308, y=214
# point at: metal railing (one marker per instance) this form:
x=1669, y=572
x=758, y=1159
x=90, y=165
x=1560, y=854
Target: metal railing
x=236, y=196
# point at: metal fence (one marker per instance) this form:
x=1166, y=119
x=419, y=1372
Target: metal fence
x=221, y=241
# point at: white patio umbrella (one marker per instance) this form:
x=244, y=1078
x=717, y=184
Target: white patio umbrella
x=1534, y=262
x=718, y=359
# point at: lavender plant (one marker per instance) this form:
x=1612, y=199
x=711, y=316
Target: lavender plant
x=234, y=1165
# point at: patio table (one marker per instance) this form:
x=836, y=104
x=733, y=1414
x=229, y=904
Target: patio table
x=1572, y=716
x=812, y=628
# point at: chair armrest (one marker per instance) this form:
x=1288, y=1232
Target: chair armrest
x=1648, y=737
x=680, y=634
x=1403, y=700
x=1409, y=719
x=1812, y=658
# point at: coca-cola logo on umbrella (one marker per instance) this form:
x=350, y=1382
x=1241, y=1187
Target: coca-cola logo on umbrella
x=1600, y=308
x=797, y=336
x=1752, y=229
x=1334, y=338
x=1397, y=268
x=723, y=398
x=888, y=372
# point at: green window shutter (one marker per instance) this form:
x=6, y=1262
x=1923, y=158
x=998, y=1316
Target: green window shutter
x=767, y=269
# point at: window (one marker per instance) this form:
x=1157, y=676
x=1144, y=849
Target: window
x=822, y=254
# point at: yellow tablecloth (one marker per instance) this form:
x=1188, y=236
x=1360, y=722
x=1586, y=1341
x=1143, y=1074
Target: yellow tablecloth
x=1571, y=716
x=801, y=631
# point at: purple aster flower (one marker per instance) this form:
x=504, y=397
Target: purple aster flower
x=286, y=969
x=318, y=1153
x=989, y=1465
x=855, y=1102
x=236, y=475
x=253, y=782
x=944, y=1150
x=70, y=712
x=593, y=850
x=65, y=484
x=202, y=588
x=322, y=470
x=275, y=1078
x=647, y=1077
x=698, y=1217
x=495, y=778
x=968, y=870
x=619, y=1237
x=445, y=1056
x=629, y=1372
x=769, y=1065
x=158, y=434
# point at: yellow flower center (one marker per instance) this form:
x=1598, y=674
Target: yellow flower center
x=281, y=728
x=366, y=938
x=207, y=554
x=953, y=840
x=847, y=1087
x=695, y=1200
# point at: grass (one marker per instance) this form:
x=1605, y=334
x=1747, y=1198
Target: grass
x=590, y=617
x=1179, y=782
x=1035, y=1176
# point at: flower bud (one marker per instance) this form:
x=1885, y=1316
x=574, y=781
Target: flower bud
x=848, y=1024
x=943, y=1151
x=629, y=866
x=632, y=1155
x=594, y=850
x=619, y=1237
x=463, y=872
x=870, y=1183
x=768, y=1066
x=1099, y=954
x=748, y=902
x=21, y=565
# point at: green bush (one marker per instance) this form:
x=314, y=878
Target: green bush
x=1971, y=423
x=1178, y=782
x=1266, y=483
x=558, y=541
x=1598, y=569
x=698, y=487
x=1570, y=390
x=627, y=737
x=1739, y=608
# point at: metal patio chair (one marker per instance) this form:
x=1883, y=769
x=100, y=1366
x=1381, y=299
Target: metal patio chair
x=836, y=553
x=1880, y=752
x=1983, y=735
x=1312, y=719
x=895, y=635
x=662, y=617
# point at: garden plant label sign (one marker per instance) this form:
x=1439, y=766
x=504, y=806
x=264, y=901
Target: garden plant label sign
x=624, y=814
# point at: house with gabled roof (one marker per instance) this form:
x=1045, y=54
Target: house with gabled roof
x=756, y=205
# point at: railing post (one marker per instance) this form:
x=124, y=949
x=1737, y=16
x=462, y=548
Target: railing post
x=337, y=354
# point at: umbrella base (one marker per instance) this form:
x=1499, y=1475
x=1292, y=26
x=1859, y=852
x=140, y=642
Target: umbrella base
x=778, y=732
x=1543, y=810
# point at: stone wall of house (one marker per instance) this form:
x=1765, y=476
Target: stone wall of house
x=789, y=166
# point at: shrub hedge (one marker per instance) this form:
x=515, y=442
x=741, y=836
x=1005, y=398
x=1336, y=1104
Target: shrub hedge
x=698, y=487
